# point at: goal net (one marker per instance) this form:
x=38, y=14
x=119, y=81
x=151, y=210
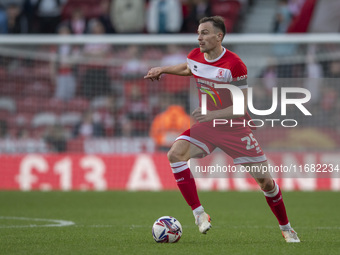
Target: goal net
x=86, y=95
x=58, y=93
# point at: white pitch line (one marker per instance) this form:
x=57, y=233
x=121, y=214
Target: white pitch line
x=63, y=223
x=55, y=223
x=252, y=227
x=96, y=226
x=215, y=227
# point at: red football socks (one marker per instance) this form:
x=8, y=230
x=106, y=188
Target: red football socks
x=186, y=183
x=275, y=202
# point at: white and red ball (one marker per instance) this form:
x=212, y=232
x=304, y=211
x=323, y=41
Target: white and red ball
x=167, y=229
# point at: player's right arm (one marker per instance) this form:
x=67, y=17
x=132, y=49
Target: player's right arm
x=156, y=72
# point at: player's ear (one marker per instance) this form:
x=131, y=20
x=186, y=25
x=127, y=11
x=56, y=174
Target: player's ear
x=220, y=36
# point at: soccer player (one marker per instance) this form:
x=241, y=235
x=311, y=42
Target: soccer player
x=213, y=64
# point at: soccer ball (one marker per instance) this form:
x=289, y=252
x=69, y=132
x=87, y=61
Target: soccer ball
x=167, y=230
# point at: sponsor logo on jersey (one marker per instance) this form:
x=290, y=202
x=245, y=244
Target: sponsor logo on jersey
x=240, y=78
x=210, y=91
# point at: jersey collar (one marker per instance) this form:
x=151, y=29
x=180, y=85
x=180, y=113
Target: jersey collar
x=218, y=58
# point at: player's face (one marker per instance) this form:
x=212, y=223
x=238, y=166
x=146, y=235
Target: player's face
x=208, y=37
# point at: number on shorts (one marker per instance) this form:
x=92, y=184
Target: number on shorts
x=250, y=139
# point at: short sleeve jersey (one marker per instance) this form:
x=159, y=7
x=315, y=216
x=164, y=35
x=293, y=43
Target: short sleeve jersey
x=228, y=68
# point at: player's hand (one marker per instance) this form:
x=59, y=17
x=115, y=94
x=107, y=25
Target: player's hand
x=202, y=118
x=154, y=74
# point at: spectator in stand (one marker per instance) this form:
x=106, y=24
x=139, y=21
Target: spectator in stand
x=164, y=16
x=105, y=17
x=283, y=17
x=104, y=109
x=268, y=80
x=198, y=10
x=124, y=126
x=3, y=129
x=28, y=12
x=64, y=78
x=3, y=19
x=174, y=85
x=23, y=133
x=334, y=69
x=78, y=22
x=295, y=6
x=314, y=75
x=328, y=102
x=185, y=9
x=168, y=125
x=128, y=16
x=282, y=21
x=173, y=56
x=17, y=23
x=48, y=14
x=135, y=114
x=334, y=72
x=88, y=127
x=56, y=138
x=133, y=67
x=96, y=80
x=270, y=76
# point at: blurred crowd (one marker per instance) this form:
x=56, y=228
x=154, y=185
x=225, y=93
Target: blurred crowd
x=116, y=16
x=86, y=91
x=67, y=98
x=96, y=90
x=307, y=16
x=153, y=16
x=287, y=10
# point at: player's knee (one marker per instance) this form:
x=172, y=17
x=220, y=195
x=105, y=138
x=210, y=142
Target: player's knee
x=266, y=183
x=175, y=156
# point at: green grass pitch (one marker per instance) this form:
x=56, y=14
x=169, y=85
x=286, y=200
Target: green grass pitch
x=120, y=223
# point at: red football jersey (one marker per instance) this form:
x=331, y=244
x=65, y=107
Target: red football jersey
x=239, y=141
x=228, y=68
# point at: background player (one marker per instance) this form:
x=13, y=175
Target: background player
x=211, y=64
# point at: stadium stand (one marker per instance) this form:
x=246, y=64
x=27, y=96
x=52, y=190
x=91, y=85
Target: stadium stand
x=29, y=106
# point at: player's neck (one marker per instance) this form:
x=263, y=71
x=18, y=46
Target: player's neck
x=213, y=54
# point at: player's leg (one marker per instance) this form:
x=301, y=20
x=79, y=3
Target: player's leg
x=180, y=152
x=274, y=198
x=271, y=191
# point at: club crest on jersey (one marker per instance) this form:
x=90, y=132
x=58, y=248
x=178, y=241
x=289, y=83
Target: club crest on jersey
x=220, y=74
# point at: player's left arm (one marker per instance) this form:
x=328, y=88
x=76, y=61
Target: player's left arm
x=226, y=113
